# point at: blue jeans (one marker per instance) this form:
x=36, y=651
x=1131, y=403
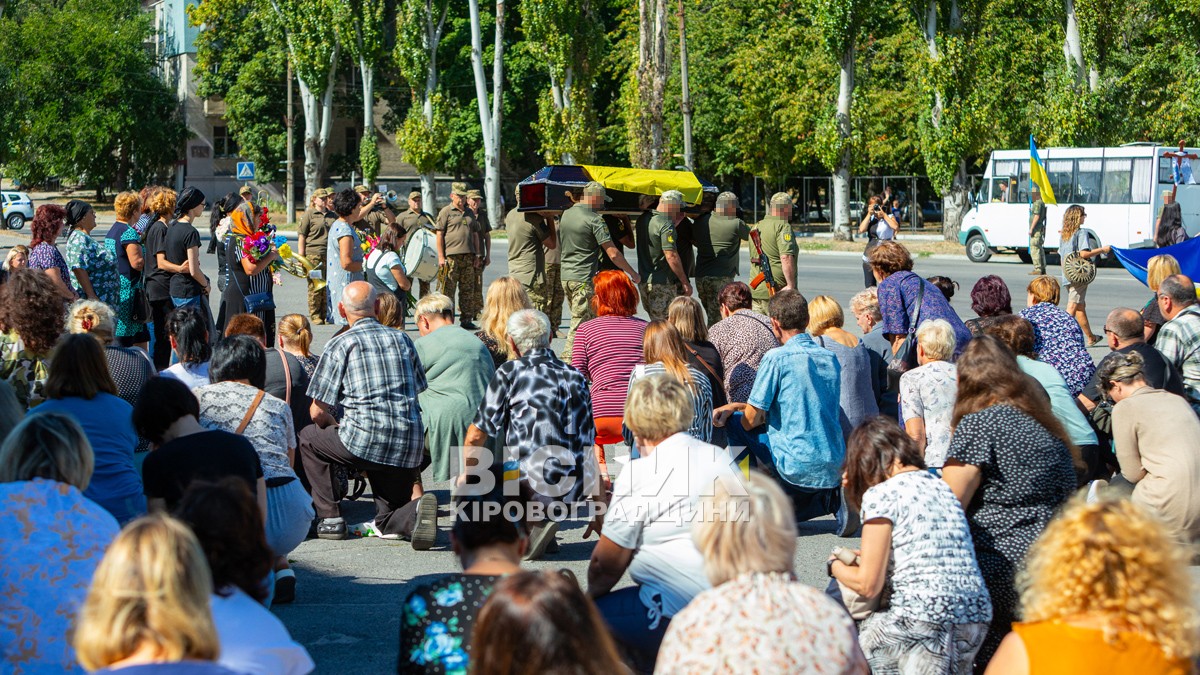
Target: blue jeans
x=808, y=503
x=639, y=630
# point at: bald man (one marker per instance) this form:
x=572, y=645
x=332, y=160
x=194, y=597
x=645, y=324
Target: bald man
x=373, y=373
x=1124, y=330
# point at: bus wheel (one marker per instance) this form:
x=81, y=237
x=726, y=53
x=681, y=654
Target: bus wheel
x=977, y=249
x=1023, y=254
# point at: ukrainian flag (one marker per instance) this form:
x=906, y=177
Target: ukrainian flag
x=1037, y=174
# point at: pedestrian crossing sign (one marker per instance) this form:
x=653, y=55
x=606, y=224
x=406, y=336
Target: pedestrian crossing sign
x=245, y=170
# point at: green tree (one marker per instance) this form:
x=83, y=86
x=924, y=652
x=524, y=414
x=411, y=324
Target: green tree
x=362, y=24
x=68, y=105
x=420, y=27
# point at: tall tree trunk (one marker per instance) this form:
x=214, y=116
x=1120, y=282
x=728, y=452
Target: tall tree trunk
x=1073, y=46
x=841, y=177
x=367, y=71
x=489, y=118
x=433, y=35
x=955, y=203
x=686, y=98
x=318, y=123
x=652, y=80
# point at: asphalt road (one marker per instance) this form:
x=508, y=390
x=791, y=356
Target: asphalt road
x=349, y=592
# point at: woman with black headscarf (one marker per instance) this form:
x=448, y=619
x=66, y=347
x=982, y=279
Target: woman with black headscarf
x=188, y=289
x=93, y=268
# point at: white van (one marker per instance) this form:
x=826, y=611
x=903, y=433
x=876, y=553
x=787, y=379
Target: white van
x=1120, y=188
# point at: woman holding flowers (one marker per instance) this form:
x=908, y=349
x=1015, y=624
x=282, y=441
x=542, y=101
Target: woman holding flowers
x=249, y=252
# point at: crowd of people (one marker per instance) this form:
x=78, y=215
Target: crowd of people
x=1021, y=508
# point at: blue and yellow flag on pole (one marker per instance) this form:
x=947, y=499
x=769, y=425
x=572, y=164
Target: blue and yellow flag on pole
x=1037, y=174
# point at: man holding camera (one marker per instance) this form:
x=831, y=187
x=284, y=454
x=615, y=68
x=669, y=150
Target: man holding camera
x=410, y=220
x=313, y=231
x=458, y=254
x=375, y=214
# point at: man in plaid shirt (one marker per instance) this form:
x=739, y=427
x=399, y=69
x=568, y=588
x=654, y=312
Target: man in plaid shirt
x=1179, y=338
x=373, y=374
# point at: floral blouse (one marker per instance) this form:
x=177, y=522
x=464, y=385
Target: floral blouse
x=1058, y=340
x=45, y=256
x=83, y=253
x=761, y=623
x=24, y=370
x=436, y=622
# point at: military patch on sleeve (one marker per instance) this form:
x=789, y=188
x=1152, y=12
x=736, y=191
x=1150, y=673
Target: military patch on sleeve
x=670, y=239
x=787, y=236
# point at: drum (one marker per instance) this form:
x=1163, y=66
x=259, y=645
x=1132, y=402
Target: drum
x=420, y=255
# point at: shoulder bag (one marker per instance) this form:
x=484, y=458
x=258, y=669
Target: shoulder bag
x=250, y=412
x=1078, y=270
x=905, y=358
x=856, y=605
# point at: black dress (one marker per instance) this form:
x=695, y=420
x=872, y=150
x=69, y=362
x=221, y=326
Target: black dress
x=238, y=285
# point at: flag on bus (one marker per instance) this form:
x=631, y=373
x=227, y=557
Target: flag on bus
x=1037, y=174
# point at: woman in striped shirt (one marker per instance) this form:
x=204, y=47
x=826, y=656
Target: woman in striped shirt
x=606, y=350
x=664, y=353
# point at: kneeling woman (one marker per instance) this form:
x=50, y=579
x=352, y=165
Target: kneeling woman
x=939, y=610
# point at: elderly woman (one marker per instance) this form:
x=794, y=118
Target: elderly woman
x=93, y=266
x=1156, y=445
x=79, y=385
x=857, y=399
x=1158, y=268
x=1010, y=464
x=32, y=317
x=53, y=532
x=606, y=350
x=505, y=297
x=927, y=392
x=1076, y=239
x=458, y=369
x=1057, y=338
x=646, y=530
x=905, y=299
x=148, y=606
x=989, y=299
x=129, y=367
x=916, y=536
x=235, y=402
x=124, y=246
x=755, y=594
x=741, y=337
x=1077, y=601
x=865, y=307
x=44, y=256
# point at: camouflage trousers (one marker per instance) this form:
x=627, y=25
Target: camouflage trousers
x=426, y=289
x=709, y=289
x=551, y=296
x=657, y=297
x=579, y=297
x=460, y=274
x=761, y=306
x=317, y=296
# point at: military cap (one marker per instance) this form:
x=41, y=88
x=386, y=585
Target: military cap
x=726, y=198
x=245, y=190
x=361, y=188
x=594, y=189
x=415, y=194
x=781, y=199
x=474, y=194
x=671, y=197
x=459, y=189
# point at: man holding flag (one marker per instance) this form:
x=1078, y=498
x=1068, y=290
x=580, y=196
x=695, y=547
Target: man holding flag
x=1038, y=182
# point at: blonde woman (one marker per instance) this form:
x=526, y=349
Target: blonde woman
x=52, y=532
x=149, y=605
x=860, y=381
x=295, y=338
x=505, y=297
x=757, y=615
x=1078, y=239
x=664, y=352
x=1105, y=590
x=1160, y=267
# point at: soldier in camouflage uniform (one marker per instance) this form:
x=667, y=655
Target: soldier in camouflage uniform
x=313, y=231
x=779, y=245
x=718, y=236
x=659, y=261
x=529, y=236
x=551, y=295
x=410, y=220
x=457, y=242
x=583, y=238
x=483, y=241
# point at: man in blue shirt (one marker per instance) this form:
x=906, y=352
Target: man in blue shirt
x=795, y=396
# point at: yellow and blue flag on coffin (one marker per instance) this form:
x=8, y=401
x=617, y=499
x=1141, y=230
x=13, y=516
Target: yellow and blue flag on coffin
x=1037, y=174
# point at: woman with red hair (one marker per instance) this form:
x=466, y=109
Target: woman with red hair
x=606, y=350
x=43, y=254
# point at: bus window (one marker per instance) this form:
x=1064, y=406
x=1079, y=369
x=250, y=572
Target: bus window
x=1118, y=178
x=1089, y=181
x=1141, y=181
x=1023, y=182
x=1165, y=172
x=1061, y=175
x=1001, y=190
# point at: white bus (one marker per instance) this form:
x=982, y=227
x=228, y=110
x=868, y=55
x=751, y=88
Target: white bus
x=1121, y=189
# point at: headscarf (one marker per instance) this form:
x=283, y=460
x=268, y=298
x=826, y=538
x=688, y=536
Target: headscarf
x=76, y=211
x=187, y=200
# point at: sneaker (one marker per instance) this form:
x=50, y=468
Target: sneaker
x=424, y=532
x=1035, y=273
x=540, y=537
x=331, y=528
x=285, y=587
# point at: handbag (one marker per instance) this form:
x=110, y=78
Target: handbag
x=856, y=605
x=1078, y=270
x=140, y=306
x=252, y=302
x=905, y=358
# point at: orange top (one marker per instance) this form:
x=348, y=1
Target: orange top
x=1061, y=649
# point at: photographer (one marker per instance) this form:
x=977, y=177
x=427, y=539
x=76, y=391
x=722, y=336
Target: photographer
x=376, y=214
x=879, y=225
